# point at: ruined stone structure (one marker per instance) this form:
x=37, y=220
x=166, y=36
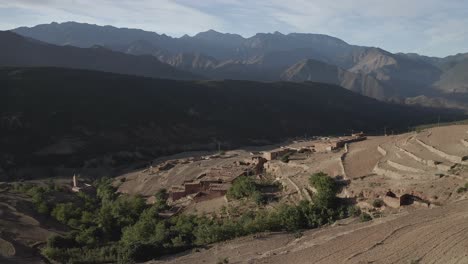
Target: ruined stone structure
x=217, y=181
x=392, y=200
x=335, y=144
x=276, y=153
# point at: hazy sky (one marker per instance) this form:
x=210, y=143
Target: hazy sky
x=430, y=27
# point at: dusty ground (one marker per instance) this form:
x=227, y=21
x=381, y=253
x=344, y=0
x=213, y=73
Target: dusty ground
x=362, y=157
x=437, y=235
x=21, y=230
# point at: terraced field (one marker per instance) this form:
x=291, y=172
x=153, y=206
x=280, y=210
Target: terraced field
x=429, y=166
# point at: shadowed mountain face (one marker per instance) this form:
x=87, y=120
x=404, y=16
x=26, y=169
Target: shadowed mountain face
x=53, y=116
x=311, y=70
x=274, y=56
x=16, y=50
x=454, y=78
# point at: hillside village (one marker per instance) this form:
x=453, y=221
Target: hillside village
x=407, y=169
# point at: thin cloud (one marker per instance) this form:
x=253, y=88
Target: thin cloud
x=431, y=27
x=164, y=16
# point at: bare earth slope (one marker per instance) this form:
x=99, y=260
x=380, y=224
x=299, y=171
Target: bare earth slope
x=437, y=235
x=22, y=230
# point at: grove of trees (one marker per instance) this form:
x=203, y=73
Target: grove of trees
x=108, y=227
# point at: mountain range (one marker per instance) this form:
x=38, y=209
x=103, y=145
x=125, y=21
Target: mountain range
x=275, y=56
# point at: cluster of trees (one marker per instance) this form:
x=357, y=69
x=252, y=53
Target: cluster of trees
x=107, y=227
x=40, y=195
x=245, y=187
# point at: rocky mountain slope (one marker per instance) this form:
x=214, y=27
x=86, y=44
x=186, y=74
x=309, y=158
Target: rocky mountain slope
x=312, y=70
x=454, y=78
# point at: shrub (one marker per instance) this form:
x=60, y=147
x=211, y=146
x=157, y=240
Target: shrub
x=223, y=261
x=461, y=190
x=365, y=217
x=43, y=208
x=285, y=158
x=258, y=198
x=377, y=203
x=354, y=211
x=298, y=234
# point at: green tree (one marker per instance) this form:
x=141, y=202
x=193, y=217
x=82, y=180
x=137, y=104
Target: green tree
x=63, y=212
x=242, y=187
x=290, y=218
x=88, y=237
x=326, y=190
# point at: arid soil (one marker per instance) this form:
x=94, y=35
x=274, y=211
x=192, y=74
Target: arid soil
x=22, y=230
x=438, y=235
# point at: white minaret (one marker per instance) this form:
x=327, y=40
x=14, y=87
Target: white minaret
x=74, y=181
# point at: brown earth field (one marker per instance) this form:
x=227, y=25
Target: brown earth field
x=437, y=235
x=22, y=230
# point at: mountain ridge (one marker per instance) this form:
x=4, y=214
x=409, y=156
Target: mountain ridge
x=16, y=50
x=266, y=57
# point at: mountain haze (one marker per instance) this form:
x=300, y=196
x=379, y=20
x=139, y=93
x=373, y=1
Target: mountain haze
x=16, y=50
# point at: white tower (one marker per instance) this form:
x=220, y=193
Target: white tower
x=74, y=181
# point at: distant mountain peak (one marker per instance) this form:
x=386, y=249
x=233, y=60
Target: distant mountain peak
x=210, y=32
x=215, y=35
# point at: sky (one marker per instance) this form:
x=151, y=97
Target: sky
x=428, y=27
